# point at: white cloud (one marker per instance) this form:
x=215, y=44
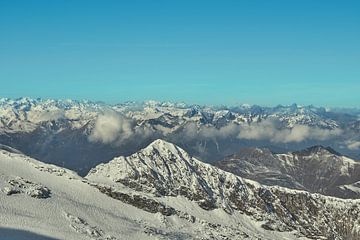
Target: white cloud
x=353, y=145
x=111, y=127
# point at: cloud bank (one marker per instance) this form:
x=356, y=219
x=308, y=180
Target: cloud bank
x=268, y=130
x=112, y=127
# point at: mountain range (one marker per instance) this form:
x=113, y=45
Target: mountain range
x=80, y=134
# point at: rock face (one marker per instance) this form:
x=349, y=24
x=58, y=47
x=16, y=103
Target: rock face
x=165, y=170
x=138, y=201
x=316, y=169
x=19, y=185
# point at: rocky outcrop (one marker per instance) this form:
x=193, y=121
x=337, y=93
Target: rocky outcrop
x=19, y=185
x=146, y=204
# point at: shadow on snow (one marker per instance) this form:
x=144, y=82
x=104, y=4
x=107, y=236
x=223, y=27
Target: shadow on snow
x=16, y=234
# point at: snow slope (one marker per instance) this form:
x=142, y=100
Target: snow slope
x=74, y=209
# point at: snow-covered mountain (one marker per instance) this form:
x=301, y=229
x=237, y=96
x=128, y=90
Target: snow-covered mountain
x=168, y=175
x=81, y=134
x=316, y=169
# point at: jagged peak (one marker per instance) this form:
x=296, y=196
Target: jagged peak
x=254, y=150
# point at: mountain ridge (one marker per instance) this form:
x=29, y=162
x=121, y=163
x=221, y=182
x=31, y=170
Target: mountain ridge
x=163, y=170
x=315, y=169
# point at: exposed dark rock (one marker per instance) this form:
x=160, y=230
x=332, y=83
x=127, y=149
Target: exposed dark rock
x=19, y=185
x=138, y=201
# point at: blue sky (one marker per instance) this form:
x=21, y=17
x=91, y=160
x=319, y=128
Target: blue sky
x=206, y=52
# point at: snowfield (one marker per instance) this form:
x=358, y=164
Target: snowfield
x=74, y=209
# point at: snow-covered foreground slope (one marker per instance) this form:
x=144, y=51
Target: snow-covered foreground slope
x=164, y=174
x=72, y=209
x=41, y=201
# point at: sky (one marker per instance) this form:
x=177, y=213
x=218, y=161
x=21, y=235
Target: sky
x=203, y=52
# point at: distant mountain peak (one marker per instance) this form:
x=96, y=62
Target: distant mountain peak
x=318, y=149
x=252, y=151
